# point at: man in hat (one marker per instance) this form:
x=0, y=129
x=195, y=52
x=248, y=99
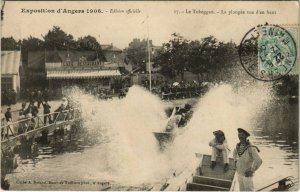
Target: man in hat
x=247, y=160
x=219, y=145
x=8, y=115
x=47, y=112
x=22, y=110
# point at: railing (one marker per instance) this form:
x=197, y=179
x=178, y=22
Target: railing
x=30, y=125
x=180, y=94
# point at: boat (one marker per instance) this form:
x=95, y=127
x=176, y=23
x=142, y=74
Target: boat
x=175, y=125
x=279, y=183
x=203, y=177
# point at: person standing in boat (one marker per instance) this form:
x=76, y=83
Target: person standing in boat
x=173, y=120
x=247, y=160
x=219, y=145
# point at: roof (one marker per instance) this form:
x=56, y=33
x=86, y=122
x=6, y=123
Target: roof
x=37, y=59
x=78, y=74
x=10, y=62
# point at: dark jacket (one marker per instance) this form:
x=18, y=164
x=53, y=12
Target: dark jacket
x=46, y=108
x=8, y=116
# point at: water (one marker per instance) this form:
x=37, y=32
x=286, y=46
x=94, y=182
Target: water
x=127, y=155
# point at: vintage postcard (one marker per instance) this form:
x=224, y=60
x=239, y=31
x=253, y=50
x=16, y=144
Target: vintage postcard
x=149, y=95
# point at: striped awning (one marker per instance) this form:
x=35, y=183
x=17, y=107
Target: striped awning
x=10, y=62
x=82, y=74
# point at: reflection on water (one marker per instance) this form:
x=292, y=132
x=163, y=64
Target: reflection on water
x=99, y=157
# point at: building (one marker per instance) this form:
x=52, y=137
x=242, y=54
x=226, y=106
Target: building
x=80, y=68
x=113, y=54
x=11, y=65
x=61, y=69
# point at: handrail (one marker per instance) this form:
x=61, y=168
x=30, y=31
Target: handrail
x=33, y=123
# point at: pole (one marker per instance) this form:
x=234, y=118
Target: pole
x=149, y=64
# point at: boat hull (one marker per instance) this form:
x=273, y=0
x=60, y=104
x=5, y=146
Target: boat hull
x=164, y=138
x=204, y=178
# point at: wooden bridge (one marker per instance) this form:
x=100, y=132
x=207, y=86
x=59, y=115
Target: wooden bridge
x=12, y=132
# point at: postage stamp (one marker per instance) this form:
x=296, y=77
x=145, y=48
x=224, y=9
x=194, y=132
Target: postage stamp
x=268, y=52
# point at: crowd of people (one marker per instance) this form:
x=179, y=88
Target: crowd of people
x=30, y=110
x=182, y=90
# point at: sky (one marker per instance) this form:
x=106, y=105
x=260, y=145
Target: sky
x=121, y=28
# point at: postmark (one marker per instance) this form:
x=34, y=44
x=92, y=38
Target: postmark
x=268, y=52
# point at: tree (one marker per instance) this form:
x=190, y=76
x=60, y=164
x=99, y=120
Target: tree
x=209, y=46
x=30, y=44
x=200, y=57
x=163, y=60
x=174, y=56
x=197, y=61
x=90, y=43
x=137, y=53
x=58, y=39
x=9, y=43
x=226, y=58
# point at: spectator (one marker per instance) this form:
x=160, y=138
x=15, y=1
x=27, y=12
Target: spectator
x=22, y=110
x=29, y=124
x=47, y=115
x=35, y=111
x=46, y=95
x=63, y=106
x=32, y=97
x=39, y=98
x=8, y=115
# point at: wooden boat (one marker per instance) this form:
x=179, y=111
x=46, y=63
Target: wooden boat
x=172, y=128
x=279, y=183
x=203, y=177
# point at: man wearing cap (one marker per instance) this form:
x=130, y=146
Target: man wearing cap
x=219, y=145
x=247, y=160
x=8, y=115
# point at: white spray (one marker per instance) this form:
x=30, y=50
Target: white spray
x=130, y=154
x=222, y=108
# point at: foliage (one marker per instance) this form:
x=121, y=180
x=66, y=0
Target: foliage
x=90, y=43
x=9, y=43
x=30, y=44
x=199, y=57
x=174, y=56
x=58, y=39
x=137, y=53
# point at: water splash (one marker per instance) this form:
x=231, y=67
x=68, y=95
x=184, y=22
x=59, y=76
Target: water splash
x=130, y=154
x=222, y=108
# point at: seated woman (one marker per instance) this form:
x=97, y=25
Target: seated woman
x=219, y=145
